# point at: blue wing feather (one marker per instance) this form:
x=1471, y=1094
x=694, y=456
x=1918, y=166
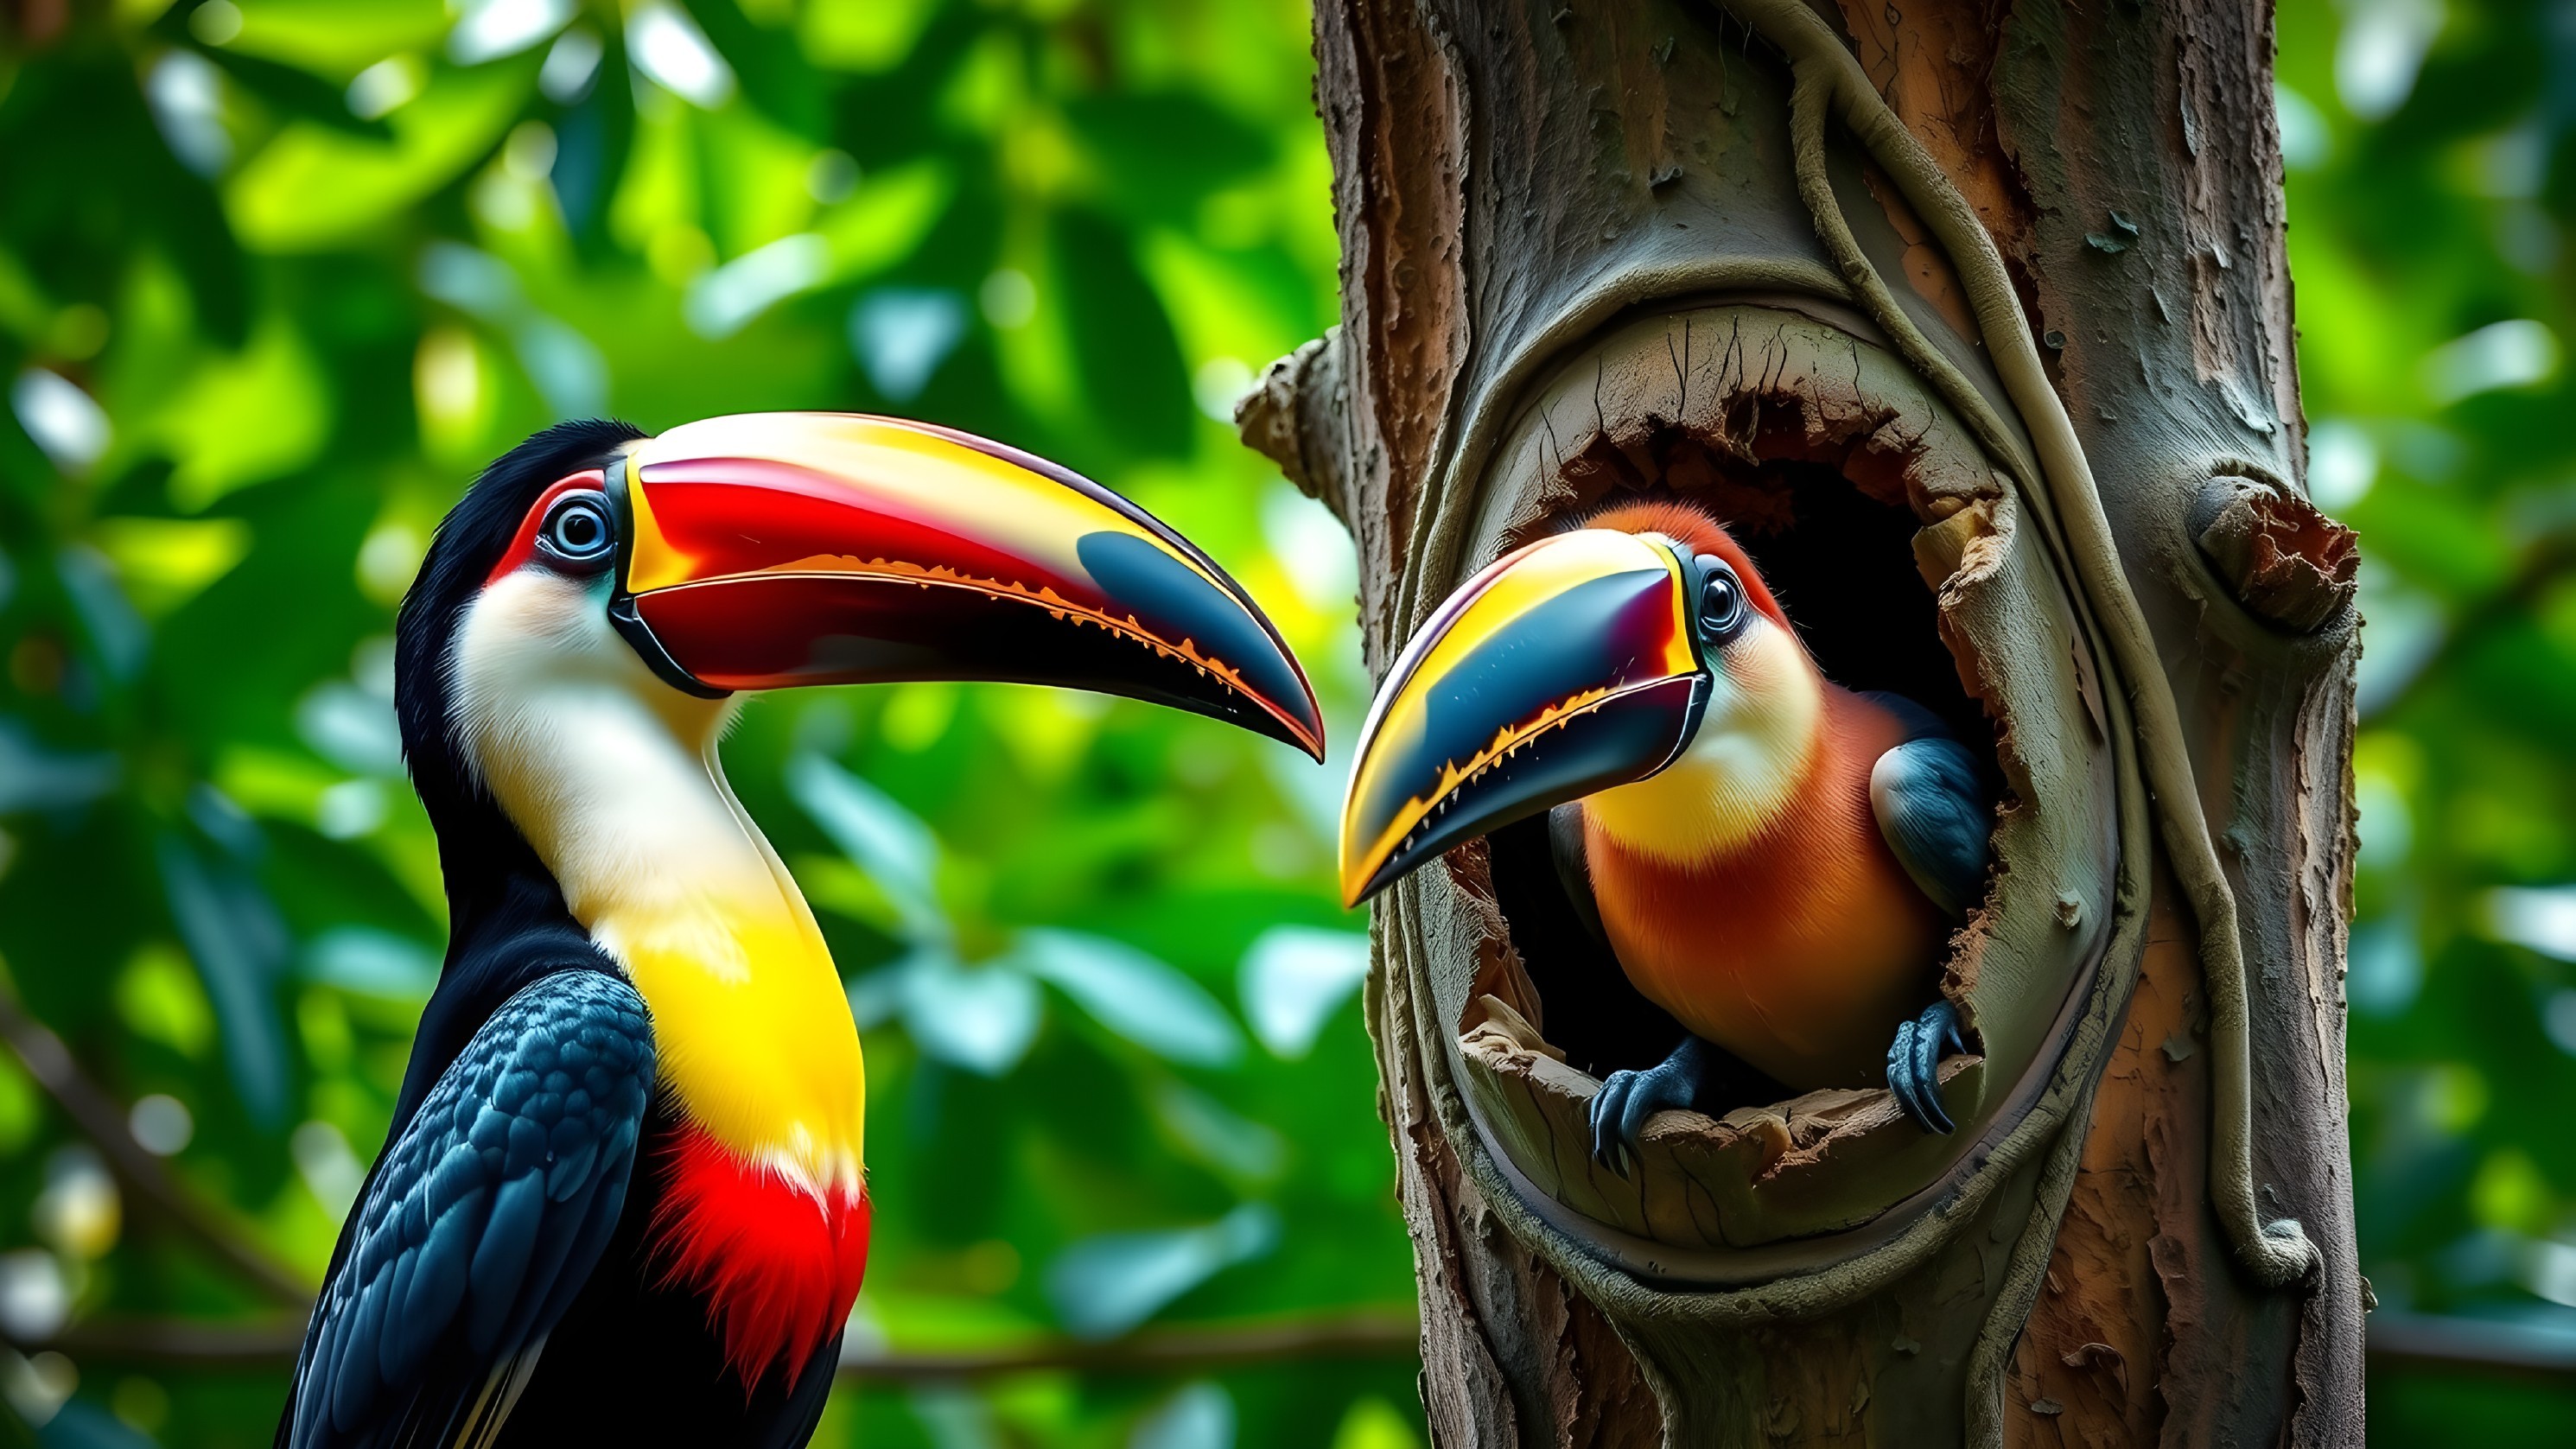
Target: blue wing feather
x=1933, y=810
x=487, y=1213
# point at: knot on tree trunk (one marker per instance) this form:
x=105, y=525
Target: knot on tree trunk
x=2287, y=563
x=1286, y=418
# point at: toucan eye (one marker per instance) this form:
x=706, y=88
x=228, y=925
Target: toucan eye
x=576, y=534
x=1721, y=598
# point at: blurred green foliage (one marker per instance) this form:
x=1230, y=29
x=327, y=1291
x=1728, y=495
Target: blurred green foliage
x=2432, y=179
x=277, y=275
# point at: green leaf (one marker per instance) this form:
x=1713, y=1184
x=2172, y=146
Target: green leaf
x=295, y=93
x=1128, y=358
x=882, y=222
x=1104, y=1286
x=246, y=419
x=165, y=562
x=334, y=39
x=316, y=187
x=1133, y=994
x=868, y=36
x=1165, y=151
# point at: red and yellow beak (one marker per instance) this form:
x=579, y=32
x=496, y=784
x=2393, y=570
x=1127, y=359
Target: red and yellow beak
x=1563, y=669
x=774, y=549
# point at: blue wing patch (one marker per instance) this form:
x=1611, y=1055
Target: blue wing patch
x=483, y=1221
x=1932, y=808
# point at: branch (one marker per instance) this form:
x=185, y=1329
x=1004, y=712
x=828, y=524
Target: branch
x=102, y=1121
x=178, y=1342
x=2398, y=1342
x=2501, y=1350
x=1179, y=1350
x=1173, y=1351
x=2544, y=563
x=272, y=1344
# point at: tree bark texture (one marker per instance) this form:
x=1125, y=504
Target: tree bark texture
x=1976, y=317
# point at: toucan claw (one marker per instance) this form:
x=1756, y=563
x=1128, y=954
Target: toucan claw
x=1630, y=1099
x=1914, y=1065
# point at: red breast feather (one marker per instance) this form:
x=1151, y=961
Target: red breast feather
x=778, y=1267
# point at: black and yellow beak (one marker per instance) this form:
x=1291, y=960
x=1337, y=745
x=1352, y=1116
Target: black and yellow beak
x=1565, y=668
x=774, y=549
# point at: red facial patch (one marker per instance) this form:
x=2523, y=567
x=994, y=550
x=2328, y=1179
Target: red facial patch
x=1698, y=532
x=524, y=547
x=777, y=1268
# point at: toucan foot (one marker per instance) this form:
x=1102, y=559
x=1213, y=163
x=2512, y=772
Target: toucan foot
x=1621, y=1109
x=1914, y=1065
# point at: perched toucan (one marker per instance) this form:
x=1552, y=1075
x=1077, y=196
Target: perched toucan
x=623, y=1199
x=1775, y=860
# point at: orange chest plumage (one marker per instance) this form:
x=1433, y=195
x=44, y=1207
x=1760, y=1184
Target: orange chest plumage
x=1798, y=950
x=777, y=1263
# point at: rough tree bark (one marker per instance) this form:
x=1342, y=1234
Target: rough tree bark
x=1975, y=317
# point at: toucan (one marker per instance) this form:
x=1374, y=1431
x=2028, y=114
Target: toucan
x=1773, y=859
x=623, y=1198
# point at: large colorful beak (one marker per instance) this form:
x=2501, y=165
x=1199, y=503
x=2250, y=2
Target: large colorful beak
x=1565, y=668
x=776, y=549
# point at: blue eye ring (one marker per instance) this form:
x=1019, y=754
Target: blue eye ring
x=579, y=534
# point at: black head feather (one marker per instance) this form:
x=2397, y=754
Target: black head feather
x=481, y=853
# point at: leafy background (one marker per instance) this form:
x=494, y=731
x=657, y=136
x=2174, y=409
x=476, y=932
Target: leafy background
x=277, y=275
x=2432, y=180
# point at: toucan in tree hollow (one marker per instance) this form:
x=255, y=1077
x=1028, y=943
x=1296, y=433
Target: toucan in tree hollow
x=1775, y=860
x=623, y=1199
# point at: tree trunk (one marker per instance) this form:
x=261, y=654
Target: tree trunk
x=1976, y=318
